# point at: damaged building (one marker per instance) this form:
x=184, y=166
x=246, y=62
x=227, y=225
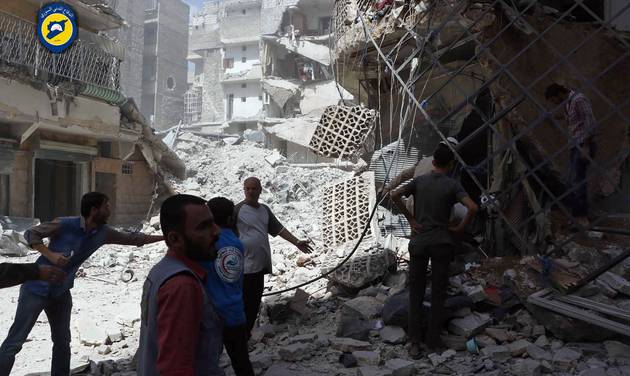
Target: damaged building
x=164, y=66
x=263, y=65
x=478, y=71
x=65, y=126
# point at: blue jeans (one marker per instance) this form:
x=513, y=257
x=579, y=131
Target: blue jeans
x=29, y=307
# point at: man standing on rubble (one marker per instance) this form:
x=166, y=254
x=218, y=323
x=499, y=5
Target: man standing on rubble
x=581, y=122
x=434, y=195
x=180, y=332
x=225, y=286
x=254, y=222
x=72, y=241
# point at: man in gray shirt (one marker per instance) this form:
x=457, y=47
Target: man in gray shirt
x=434, y=195
x=255, y=222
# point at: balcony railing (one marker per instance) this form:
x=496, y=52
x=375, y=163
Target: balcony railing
x=83, y=61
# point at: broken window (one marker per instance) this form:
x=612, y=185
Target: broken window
x=228, y=63
x=324, y=25
x=105, y=149
x=170, y=83
x=243, y=99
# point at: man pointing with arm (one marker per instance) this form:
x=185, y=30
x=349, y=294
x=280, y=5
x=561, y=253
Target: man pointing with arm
x=255, y=222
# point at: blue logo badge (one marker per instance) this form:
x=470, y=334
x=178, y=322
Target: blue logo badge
x=56, y=26
x=229, y=264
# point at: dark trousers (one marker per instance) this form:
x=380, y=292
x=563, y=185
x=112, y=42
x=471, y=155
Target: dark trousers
x=28, y=309
x=440, y=256
x=235, y=341
x=253, y=286
x=578, y=199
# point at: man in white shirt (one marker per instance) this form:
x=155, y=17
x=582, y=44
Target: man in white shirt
x=255, y=222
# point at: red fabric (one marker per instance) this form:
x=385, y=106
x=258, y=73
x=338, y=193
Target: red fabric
x=180, y=301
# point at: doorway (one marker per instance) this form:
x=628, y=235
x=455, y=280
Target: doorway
x=58, y=188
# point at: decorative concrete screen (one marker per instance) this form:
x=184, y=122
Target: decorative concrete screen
x=346, y=210
x=367, y=264
x=342, y=131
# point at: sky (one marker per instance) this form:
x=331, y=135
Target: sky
x=194, y=5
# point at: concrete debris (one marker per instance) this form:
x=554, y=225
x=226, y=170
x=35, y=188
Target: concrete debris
x=566, y=359
x=615, y=281
x=469, y=325
x=526, y=367
x=348, y=344
x=12, y=244
x=497, y=353
x=500, y=335
x=518, y=348
x=261, y=360
x=401, y=367
x=313, y=51
x=90, y=333
x=365, y=266
x=616, y=349
x=367, y=358
x=393, y=334
x=348, y=360
x=281, y=91
x=295, y=352
x=374, y=371
x=537, y=353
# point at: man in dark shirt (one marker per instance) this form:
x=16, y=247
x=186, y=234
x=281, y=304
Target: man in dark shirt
x=16, y=274
x=434, y=194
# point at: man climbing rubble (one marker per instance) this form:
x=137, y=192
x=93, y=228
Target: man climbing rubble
x=581, y=123
x=254, y=222
x=180, y=331
x=72, y=241
x=225, y=286
x=434, y=194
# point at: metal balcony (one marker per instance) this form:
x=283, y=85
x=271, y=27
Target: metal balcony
x=85, y=61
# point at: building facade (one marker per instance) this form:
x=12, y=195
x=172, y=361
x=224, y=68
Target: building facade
x=62, y=130
x=164, y=76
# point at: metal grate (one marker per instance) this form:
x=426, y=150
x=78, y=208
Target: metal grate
x=82, y=62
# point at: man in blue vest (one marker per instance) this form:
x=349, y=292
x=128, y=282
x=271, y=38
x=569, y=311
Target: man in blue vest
x=72, y=241
x=180, y=333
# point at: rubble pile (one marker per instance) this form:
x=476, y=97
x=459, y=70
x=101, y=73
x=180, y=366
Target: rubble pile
x=354, y=323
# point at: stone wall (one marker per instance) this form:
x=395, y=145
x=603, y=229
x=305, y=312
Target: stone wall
x=21, y=204
x=212, y=102
x=131, y=37
x=172, y=51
